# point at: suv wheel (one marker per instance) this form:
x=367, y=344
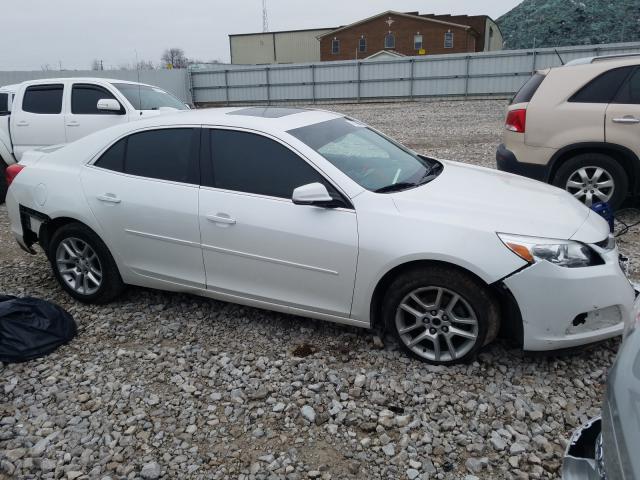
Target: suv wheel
x=440, y=315
x=3, y=182
x=593, y=178
x=83, y=265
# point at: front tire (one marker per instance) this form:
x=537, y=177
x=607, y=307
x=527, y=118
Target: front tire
x=83, y=265
x=593, y=178
x=440, y=315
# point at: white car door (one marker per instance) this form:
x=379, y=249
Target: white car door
x=39, y=120
x=144, y=193
x=622, y=124
x=83, y=116
x=257, y=243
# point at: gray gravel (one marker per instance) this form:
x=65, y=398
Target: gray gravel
x=161, y=385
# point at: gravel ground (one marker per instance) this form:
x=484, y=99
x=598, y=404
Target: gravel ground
x=175, y=386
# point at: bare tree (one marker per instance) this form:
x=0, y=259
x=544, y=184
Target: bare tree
x=97, y=65
x=174, y=58
x=145, y=65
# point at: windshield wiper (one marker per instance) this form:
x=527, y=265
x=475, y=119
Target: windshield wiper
x=396, y=187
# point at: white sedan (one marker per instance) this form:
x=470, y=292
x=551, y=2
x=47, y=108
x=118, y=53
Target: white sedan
x=315, y=214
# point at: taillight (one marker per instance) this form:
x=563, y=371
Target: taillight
x=11, y=172
x=516, y=121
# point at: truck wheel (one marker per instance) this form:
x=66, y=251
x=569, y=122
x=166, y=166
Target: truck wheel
x=3, y=182
x=593, y=178
x=440, y=315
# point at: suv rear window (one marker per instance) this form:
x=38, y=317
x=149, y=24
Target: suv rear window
x=603, y=88
x=45, y=99
x=528, y=90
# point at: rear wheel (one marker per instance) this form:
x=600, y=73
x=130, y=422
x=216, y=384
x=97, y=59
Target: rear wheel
x=3, y=182
x=593, y=178
x=83, y=265
x=440, y=315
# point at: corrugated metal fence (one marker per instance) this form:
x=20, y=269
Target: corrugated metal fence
x=480, y=74
x=174, y=81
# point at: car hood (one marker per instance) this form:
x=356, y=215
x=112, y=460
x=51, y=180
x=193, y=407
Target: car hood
x=487, y=199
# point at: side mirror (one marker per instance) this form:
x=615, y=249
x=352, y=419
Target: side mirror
x=109, y=105
x=312, y=194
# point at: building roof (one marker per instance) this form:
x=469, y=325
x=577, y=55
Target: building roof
x=385, y=53
x=392, y=12
x=282, y=31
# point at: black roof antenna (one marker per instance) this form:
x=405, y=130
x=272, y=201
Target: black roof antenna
x=558, y=54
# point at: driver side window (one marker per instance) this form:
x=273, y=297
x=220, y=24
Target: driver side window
x=250, y=163
x=84, y=100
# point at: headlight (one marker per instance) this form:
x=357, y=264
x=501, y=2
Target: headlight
x=564, y=253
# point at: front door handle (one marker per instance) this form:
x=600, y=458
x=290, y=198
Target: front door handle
x=73, y=123
x=222, y=218
x=22, y=123
x=627, y=120
x=109, y=198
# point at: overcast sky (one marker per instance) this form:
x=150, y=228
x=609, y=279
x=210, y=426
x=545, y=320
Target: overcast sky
x=74, y=32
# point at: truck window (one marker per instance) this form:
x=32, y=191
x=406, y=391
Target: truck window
x=45, y=99
x=4, y=103
x=84, y=100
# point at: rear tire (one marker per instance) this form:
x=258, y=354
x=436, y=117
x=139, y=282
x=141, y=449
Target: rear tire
x=592, y=178
x=440, y=315
x=3, y=182
x=83, y=265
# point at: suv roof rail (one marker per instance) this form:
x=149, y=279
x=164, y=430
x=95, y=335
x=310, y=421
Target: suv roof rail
x=614, y=57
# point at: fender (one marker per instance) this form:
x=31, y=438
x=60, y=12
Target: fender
x=631, y=159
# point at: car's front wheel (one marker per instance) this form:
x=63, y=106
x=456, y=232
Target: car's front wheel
x=440, y=315
x=83, y=265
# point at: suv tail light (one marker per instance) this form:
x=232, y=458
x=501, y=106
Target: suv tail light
x=11, y=172
x=516, y=120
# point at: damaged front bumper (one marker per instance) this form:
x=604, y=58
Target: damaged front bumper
x=568, y=307
x=584, y=458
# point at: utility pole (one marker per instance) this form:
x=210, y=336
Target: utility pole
x=265, y=17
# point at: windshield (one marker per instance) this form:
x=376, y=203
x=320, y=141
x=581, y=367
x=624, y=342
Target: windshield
x=144, y=97
x=373, y=161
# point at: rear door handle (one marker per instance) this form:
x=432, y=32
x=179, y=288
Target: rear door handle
x=222, y=218
x=22, y=123
x=628, y=120
x=109, y=198
x=73, y=123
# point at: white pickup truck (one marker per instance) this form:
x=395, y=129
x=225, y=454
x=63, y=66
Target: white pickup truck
x=56, y=111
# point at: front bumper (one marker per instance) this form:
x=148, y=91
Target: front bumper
x=567, y=307
x=506, y=161
x=583, y=459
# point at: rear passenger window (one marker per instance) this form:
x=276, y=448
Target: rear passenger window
x=246, y=162
x=84, y=100
x=165, y=154
x=630, y=92
x=529, y=89
x=113, y=159
x=44, y=99
x=603, y=88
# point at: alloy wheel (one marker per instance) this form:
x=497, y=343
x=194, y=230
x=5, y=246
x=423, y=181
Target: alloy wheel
x=79, y=266
x=437, y=324
x=591, y=184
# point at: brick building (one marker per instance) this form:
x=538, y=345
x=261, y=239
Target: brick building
x=410, y=34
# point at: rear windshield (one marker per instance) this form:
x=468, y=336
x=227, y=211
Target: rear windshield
x=528, y=90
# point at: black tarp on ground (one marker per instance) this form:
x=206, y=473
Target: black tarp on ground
x=32, y=328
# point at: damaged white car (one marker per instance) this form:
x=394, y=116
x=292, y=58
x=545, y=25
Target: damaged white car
x=315, y=214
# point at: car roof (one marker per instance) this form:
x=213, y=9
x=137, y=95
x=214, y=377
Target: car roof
x=9, y=88
x=612, y=61
x=265, y=119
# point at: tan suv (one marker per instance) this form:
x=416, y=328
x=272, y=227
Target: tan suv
x=578, y=127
